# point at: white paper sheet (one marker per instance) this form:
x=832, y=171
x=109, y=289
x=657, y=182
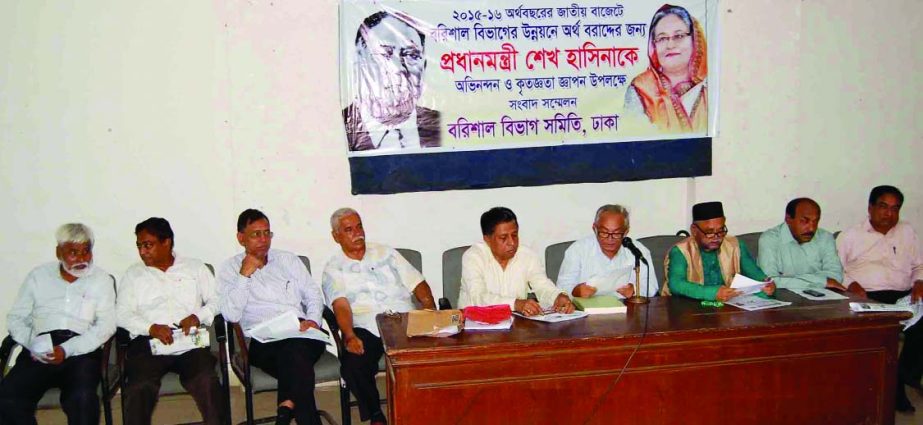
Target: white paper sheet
x=753, y=303
x=917, y=310
x=473, y=325
x=555, y=317
x=41, y=346
x=283, y=327
x=197, y=338
x=745, y=285
x=607, y=283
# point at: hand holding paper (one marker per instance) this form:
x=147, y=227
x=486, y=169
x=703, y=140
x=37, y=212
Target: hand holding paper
x=746, y=286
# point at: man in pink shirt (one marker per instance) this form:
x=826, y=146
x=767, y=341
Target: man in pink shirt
x=882, y=260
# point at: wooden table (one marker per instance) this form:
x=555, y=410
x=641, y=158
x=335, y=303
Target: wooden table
x=669, y=362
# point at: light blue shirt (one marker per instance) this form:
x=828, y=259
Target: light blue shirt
x=383, y=280
x=799, y=266
x=282, y=285
x=47, y=302
x=585, y=261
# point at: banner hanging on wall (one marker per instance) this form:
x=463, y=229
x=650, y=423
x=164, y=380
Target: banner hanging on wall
x=441, y=94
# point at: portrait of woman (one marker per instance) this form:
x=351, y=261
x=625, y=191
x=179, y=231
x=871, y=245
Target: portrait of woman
x=672, y=92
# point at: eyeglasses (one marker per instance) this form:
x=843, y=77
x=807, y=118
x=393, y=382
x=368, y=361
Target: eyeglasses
x=610, y=235
x=719, y=234
x=676, y=38
x=256, y=234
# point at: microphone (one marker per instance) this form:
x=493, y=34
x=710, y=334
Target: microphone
x=630, y=244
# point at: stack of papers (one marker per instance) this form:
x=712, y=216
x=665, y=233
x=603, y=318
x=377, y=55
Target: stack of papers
x=474, y=325
x=284, y=326
x=753, y=303
x=197, y=338
x=552, y=317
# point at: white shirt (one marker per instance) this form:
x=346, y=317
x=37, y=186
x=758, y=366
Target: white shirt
x=150, y=296
x=881, y=262
x=585, y=262
x=282, y=285
x=383, y=280
x=402, y=135
x=47, y=302
x=484, y=282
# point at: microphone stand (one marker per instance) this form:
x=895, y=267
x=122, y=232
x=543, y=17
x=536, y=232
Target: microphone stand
x=637, y=298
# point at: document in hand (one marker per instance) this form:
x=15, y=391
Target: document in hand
x=600, y=304
x=745, y=285
x=197, y=338
x=607, y=283
x=438, y=323
x=41, y=346
x=916, y=309
x=553, y=317
x=284, y=326
x=753, y=303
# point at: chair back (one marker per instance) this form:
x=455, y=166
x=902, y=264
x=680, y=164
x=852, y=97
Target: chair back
x=413, y=257
x=307, y=263
x=752, y=241
x=659, y=247
x=554, y=256
x=451, y=275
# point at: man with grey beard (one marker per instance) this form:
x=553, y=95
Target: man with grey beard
x=388, y=72
x=64, y=312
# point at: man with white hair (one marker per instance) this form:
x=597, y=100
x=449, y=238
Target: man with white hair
x=64, y=312
x=597, y=265
x=363, y=280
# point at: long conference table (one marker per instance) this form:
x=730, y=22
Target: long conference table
x=672, y=361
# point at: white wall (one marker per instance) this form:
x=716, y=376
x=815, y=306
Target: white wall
x=111, y=112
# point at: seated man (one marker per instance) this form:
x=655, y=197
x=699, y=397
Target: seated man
x=156, y=296
x=703, y=265
x=797, y=253
x=882, y=260
x=366, y=279
x=64, y=312
x=600, y=259
x=261, y=284
x=498, y=271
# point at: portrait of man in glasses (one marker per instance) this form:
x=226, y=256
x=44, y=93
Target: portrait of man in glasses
x=703, y=265
x=388, y=81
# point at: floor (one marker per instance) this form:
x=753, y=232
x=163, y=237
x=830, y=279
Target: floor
x=181, y=409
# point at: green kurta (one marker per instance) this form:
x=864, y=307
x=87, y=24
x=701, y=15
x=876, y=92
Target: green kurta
x=712, y=273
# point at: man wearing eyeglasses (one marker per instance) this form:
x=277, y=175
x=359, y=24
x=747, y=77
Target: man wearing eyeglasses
x=703, y=265
x=163, y=293
x=882, y=260
x=596, y=265
x=261, y=284
x=799, y=254
x=388, y=81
